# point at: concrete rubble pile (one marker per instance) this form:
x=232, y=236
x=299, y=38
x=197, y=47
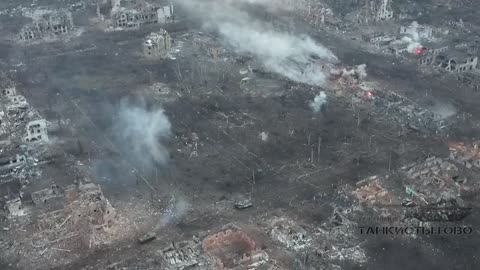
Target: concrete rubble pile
x=465, y=154
x=184, y=255
x=371, y=192
x=370, y=12
x=315, y=13
x=347, y=81
x=432, y=180
x=432, y=190
x=339, y=242
x=290, y=234
x=24, y=138
x=234, y=249
x=77, y=216
x=209, y=45
x=408, y=114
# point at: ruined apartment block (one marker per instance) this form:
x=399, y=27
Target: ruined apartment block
x=132, y=14
x=385, y=11
x=157, y=45
x=47, y=24
x=36, y=131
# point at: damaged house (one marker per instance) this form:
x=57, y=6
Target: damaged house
x=157, y=45
x=133, y=13
x=47, y=24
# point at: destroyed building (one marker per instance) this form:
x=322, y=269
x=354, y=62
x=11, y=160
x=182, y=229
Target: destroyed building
x=36, y=131
x=157, y=44
x=370, y=11
x=209, y=45
x=465, y=154
x=234, y=249
x=377, y=37
x=385, y=11
x=184, y=255
x=470, y=80
x=47, y=24
x=456, y=61
x=133, y=13
x=399, y=49
x=289, y=234
x=430, y=179
x=430, y=52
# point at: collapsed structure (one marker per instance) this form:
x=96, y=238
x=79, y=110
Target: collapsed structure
x=47, y=24
x=289, y=234
x=133, y=13
x=209, y=45
x=234, y=249
x=157, y=45
x=450, y=60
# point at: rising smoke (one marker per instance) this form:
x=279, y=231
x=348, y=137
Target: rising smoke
x=174, y=211
x=318, y=102
x=412, y=38
x=140, y=132
x=286, y=54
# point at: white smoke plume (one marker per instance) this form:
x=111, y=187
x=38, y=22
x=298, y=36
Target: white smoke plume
x=412, y=38
x=318, y=101
x=140, y=133
x=289, y=55
x=175, y=210
x=361, y=71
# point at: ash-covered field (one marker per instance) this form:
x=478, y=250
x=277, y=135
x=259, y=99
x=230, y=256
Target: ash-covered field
x=239, y=135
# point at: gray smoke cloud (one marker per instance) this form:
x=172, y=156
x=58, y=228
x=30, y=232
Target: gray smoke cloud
x=412, y=38
x=318, y=101
x=140, y=132
x=174, y=211
x=293, y=56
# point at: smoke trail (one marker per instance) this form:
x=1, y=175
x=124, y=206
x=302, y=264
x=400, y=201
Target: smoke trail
x=289, y=55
